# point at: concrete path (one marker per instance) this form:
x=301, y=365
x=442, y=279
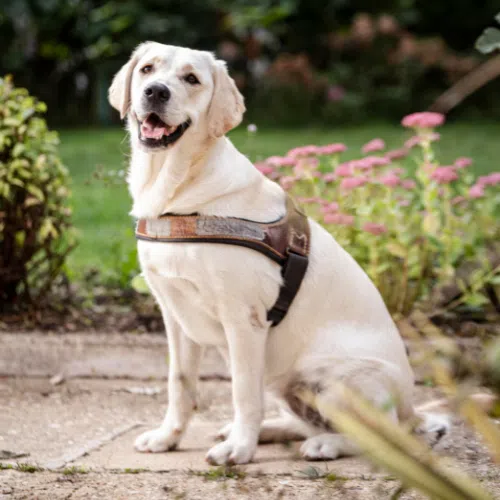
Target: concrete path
x=75, y=435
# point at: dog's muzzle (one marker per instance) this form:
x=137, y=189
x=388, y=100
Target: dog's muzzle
x=155, y=133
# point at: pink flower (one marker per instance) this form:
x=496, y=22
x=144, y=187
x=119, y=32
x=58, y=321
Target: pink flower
x=335, y=93
x=264, y=168
x=457, y=200
x=396, y=154
x=360, y=164
x=281, y=161
x=390, y=180
x=374, y=228
x=331, y=149
x=463, y=162
x=444, y=175
x=352, y=182
x=344, y=170
x=426, y=119
x=489, y=180
x=403, y=202
x=373, y=145
x=330, y=177
x=371, y=161
x=303, y=151
x=413, y=141
x=306, y=166
x=287, y=182
x=330, y=208
x=408, y=184
x=338, y=218
x=476, y=191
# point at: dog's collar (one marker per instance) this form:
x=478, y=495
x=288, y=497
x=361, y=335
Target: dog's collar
x=285, y=241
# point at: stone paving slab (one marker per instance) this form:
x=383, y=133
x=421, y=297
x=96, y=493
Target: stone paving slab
x=108, y=355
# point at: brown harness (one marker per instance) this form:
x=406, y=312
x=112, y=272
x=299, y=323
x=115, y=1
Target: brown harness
x=285, y=241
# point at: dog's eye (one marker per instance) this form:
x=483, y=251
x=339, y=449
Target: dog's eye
x=147, y=69
x=191, y=79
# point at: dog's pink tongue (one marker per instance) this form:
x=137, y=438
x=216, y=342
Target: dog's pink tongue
x=151, y=131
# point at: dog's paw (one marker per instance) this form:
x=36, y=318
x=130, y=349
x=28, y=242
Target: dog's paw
x=328, y=447
x=157, y=440
x=322, y=447
x=231, y=452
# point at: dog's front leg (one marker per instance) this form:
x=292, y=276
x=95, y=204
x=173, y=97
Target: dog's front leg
x=184, y=359
x=246, y=336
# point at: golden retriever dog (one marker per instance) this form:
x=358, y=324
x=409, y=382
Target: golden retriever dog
x=179, y=104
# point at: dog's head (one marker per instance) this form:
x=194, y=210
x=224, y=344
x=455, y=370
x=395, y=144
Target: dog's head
x=167, y=90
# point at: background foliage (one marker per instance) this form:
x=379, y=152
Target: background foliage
x=77, y=45
x=35, y=221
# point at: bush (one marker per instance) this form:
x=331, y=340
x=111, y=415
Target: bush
x=35, y=220
x=410, y=222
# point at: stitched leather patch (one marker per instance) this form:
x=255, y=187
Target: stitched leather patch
x=182, y=226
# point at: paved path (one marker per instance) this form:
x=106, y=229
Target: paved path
x=90, y=425
x=79, y=432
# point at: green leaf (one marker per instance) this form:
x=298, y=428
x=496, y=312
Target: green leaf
x=20, y=237
x=30, y=201
x=495, y=280
x=430, y=224
x=396, y=249
x=489, y=41
x=18, y=149
x=35, y=191
x=476, y=300
x=47, y=229
x=139, y=284
x=17, y=182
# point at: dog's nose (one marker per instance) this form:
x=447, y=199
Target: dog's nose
x=157, y=92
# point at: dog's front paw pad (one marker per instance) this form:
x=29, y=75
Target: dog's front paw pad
x=320, y=448
x=156, y=441
x=230, y=453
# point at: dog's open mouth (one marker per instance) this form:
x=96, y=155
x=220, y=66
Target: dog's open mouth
x=154, y=132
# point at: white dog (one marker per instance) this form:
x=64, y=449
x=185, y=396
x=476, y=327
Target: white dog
x=180, y=103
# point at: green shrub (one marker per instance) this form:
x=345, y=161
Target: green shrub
x=35, y=220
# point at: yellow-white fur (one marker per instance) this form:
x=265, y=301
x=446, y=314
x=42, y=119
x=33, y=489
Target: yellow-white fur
x=338, y=328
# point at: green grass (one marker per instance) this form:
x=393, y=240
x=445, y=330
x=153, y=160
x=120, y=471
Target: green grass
x=222, y=472
x=101, y=211
x=22, y=467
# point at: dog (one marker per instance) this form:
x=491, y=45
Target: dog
x=179, y=104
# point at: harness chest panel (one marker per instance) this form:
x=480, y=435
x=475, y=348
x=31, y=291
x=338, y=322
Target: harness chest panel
x=286, y=242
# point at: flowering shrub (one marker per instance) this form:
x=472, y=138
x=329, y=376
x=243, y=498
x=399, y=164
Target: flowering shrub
x=408, y=220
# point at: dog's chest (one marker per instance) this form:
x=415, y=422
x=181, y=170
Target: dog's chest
x=183, y=267
x=202, y=280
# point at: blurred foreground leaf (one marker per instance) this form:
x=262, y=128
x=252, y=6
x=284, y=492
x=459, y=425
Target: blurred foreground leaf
x=393, y=448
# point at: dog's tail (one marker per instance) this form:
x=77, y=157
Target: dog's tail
x=433, y=422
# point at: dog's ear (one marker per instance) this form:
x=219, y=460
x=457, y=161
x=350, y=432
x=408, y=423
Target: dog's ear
x=119, y=92
x=227, y=106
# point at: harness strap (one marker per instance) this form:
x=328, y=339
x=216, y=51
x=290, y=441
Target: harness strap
x=285, y=241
